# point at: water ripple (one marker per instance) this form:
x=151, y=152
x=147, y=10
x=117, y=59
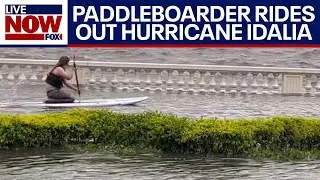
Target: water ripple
x=221, y=106
x=291, y=57
x=75, y=165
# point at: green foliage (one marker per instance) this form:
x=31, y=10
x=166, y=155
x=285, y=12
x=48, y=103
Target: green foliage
x=165, y=132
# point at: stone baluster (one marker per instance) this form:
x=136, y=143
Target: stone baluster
x=317, y=87
x=170, y=82
x=97, y=77
x=243, y=84
x=275, y=86
x=42, y=70
x=212, y=84
x=97, y=85
x=308, y=86
x=104, y=80
x=4, y=71
x=158, y=82
x=142, y=78
x=191, y=83
x=218, y=80
x=1, y=72
x=11, y=73
x=223, y=84
x=126, y=80
x=259, y=78
x=22, y=74
x=314, y=84
x=114, y=81
x=233, y=84
x=155, y=81
x=175, y=79
x=130, y=75
x=202, y=83
x=121, y=79
x=181, y=82
x=148, y=81
x=92, y=78
x=254, y=84
x=197, y=79
x=136, y=81
x=45, y=73
x=34, y=73
x=265, y=83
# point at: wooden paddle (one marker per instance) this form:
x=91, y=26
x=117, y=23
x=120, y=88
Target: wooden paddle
x=75, y=71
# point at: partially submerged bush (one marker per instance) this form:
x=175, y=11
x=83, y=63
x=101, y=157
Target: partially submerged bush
x=165, y=132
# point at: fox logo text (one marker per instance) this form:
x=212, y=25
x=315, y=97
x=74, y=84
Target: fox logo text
x=34, y=24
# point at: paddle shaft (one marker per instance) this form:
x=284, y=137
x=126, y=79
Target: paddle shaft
x=75, y=71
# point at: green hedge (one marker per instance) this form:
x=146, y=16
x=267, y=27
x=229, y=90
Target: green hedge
x=165, y=132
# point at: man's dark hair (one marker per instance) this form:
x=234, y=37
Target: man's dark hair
x=64, y=60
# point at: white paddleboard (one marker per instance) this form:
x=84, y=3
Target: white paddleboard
x=79, y=103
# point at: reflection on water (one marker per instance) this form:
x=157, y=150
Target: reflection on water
x=64, y=164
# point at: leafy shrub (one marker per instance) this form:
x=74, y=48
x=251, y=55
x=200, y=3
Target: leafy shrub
x=165, y=132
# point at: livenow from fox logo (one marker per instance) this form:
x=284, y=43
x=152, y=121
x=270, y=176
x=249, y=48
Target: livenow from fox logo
x=35, y=23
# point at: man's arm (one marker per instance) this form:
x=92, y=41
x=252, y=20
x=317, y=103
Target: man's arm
x=64, y=74
x=70, y=86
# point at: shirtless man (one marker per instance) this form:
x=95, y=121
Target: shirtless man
x=56, y=79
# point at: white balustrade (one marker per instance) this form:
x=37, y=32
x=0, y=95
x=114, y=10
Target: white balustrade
x=173, y=78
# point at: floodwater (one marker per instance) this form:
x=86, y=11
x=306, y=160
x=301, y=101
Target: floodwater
x=221, y=106
x=64, y=164
x=291, y=57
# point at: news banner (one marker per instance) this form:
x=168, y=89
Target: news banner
x=160, y=23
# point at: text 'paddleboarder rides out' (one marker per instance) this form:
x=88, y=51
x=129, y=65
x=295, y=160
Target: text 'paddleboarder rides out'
x=58, y=77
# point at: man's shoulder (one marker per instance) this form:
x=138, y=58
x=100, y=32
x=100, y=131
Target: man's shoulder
x=58, y=70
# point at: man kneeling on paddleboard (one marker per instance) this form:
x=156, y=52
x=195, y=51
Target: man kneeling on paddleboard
x=56, y=79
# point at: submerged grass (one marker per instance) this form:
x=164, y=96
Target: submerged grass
x=275, y=137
